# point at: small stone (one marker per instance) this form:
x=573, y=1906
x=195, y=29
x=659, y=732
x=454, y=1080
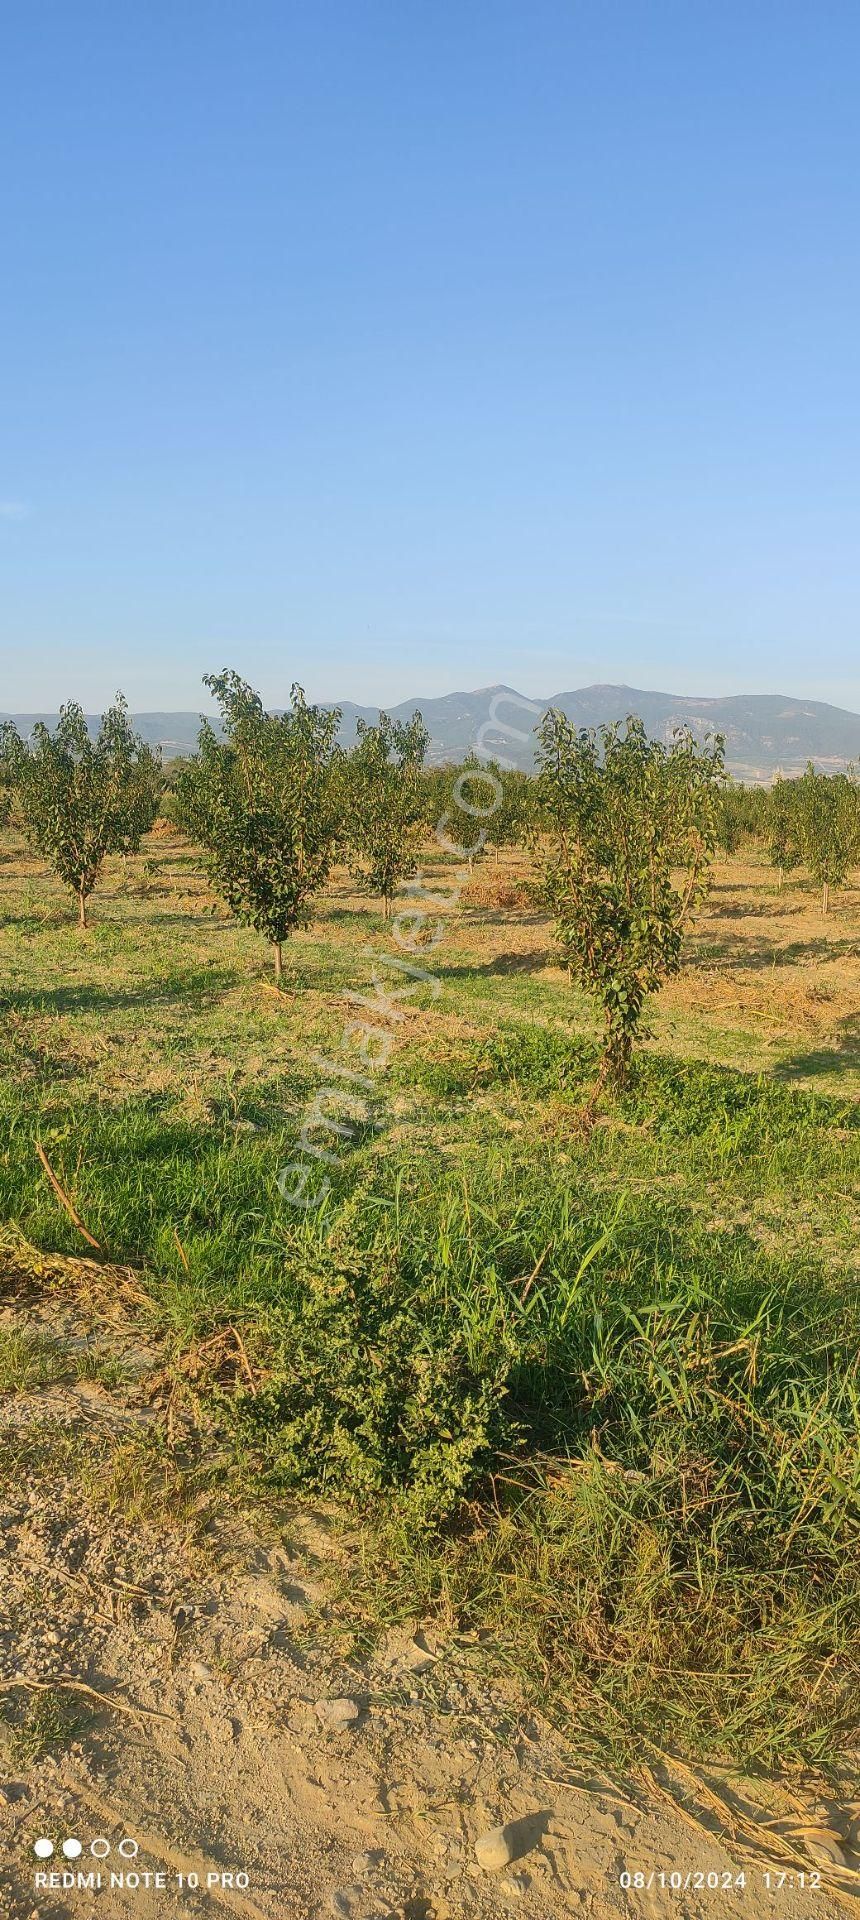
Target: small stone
x=343, y=1901
x=493, y=1850
x=418, y=1656
x=364, y=1863
x=500, y=1845
x=339, y=1713
x=514, y=1885
x=200, y=1671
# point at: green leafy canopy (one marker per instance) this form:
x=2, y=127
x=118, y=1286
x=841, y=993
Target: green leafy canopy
x=263, y=803
x=624, y=832
x=827, y=824
x=387, y=802
x=83, y=798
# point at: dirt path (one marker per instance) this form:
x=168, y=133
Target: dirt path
x=227, y=1743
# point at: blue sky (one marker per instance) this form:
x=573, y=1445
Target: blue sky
x=401, y=347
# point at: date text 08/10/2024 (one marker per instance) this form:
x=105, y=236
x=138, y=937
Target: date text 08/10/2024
x=700, y=1879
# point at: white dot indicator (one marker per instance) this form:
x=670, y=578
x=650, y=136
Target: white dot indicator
x=72, y=1848
x=43, y=1849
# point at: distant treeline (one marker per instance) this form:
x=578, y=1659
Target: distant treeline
x=272, y=799
x=809, y=822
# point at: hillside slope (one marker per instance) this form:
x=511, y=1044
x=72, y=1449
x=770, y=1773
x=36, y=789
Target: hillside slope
x=763, y=731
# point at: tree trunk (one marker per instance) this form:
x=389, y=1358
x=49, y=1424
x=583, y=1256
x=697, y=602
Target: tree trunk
x=279, y=958
x=780, y=878
x=386, y=907
x=618, y=1060
x=82, y=907
x=825, y=897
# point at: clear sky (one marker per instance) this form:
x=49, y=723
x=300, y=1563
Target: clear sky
x=397, y=347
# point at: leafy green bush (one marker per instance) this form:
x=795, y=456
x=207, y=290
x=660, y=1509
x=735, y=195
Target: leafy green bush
x=369, y=1394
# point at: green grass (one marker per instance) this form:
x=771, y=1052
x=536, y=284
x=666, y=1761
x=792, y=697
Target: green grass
x=28, y=1360
x=31, y=1358
x=594, y=1393
x=48, y=1723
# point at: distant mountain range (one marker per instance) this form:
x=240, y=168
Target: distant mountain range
x=763, y=731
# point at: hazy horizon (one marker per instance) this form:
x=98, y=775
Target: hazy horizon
x=277, y=700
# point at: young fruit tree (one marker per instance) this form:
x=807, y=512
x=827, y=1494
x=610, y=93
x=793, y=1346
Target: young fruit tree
x=83, y=798
x=730, y=819
x=508, y=826
x=436, y=783
x=783, y=843
x=828, y=827
x=489, y=805
x=387, y=803
x=624, y=831
x=472, y=792
x=262, y=803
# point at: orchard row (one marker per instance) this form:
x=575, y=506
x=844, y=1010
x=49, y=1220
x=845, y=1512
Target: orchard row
x=622, y=829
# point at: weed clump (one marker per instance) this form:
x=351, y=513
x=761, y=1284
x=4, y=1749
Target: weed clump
x=370, y=1395
x=49, y=1723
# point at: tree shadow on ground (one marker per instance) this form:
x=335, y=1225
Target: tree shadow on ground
x=842, y=1057
x=501, y=916
x=204, y=913
x=533, y=962
x=50, y=920
x=774, y=908
x=760, y=954
x=357, y=914
x=203, y=985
